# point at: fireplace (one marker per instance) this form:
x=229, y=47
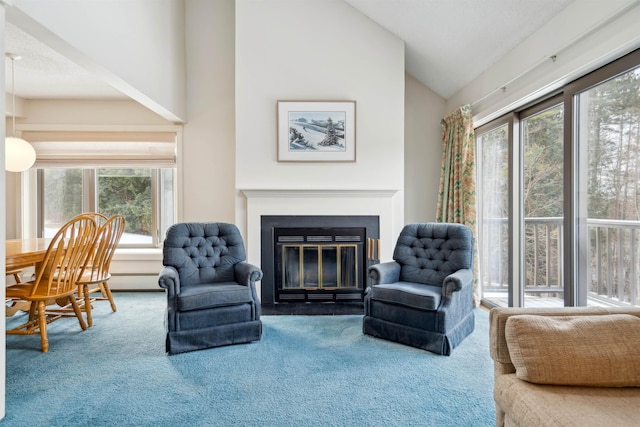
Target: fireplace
x=316, y=264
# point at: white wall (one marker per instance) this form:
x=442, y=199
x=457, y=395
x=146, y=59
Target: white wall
x=136, y=46
x=584, y=36
x=312, y=51
x=357, y=60
x=317, y=50
x=208, y=145
x=87, y=112
x=12, y=192
x=208, y=154
x=423, y=150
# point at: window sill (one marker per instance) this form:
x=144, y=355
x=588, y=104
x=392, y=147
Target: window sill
x=138, y=254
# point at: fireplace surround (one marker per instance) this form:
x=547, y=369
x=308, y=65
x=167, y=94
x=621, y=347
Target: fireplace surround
x=316, y=264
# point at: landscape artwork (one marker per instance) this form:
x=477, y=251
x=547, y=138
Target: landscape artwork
x=314, y=131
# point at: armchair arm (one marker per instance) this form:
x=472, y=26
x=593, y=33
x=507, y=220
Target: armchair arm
x=457, y=298
x=247, y=274
x=169, y=279
x=386, y=272
x=456, y=281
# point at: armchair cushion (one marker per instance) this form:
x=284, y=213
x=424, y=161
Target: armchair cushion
x=197, y=297
x=601, y=351
x=415, y=295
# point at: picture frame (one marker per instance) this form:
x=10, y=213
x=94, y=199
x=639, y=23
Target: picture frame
x=316, y=131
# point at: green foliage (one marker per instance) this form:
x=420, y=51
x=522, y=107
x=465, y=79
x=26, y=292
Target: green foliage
x=612, y=116
x=610, y=113
x=120, y=191
x=543, y=163
x=127, y=192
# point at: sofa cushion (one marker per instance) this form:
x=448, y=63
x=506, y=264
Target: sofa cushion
x=602, y=351
x=527, y=404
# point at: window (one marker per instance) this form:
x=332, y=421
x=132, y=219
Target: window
x=144, y=196
x=566, y=197
x=130, y=173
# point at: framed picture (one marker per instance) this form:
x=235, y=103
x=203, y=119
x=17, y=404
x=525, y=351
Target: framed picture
x=316, y=131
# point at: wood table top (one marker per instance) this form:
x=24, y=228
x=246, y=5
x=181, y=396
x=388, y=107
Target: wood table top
x=22, y=253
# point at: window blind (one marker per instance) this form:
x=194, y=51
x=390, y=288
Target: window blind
x=89, y=149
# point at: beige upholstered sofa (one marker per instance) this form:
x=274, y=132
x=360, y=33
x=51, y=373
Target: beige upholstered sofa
x=566, y=366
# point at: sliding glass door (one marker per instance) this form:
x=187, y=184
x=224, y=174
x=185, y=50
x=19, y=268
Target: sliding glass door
x=607, y=117
x=520, y=170
x=541, y=136
x=559, y=196
x=493, y=211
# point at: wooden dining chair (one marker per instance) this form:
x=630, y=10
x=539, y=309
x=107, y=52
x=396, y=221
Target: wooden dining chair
x=56, y=278
x=11, y=306
x=96, y=273
x=16, y=273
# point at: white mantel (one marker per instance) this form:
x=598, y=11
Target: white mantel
x=387, y=204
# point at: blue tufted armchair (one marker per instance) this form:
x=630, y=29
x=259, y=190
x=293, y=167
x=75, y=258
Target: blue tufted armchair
x=211, y=292
x=424, y=298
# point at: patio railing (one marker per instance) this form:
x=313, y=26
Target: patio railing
x=613, y=260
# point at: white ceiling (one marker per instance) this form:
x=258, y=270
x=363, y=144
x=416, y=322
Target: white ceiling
x=448, y=43
x=43, y=73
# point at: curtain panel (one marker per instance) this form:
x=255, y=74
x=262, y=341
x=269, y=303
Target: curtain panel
x=457, y=192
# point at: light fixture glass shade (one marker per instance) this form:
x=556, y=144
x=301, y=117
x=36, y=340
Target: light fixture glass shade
x=19, y=154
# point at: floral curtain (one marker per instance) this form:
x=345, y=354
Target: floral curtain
x=457, y=193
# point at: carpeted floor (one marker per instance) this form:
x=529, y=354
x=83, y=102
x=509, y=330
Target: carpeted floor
x=306, y=371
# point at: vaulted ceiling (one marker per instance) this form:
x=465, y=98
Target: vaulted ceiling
x=448, y=43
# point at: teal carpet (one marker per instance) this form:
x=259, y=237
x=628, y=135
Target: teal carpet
x=306, y=371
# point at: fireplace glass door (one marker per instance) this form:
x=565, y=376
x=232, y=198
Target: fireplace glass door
x=319, y=264
x=320, y=267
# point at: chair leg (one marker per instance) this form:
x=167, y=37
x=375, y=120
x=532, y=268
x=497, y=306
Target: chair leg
x=78, y=312
x=87, y=304
x=33, y=309
x=42, y=325
x=107, y=292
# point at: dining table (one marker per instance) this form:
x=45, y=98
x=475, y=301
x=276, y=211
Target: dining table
x=23, y=253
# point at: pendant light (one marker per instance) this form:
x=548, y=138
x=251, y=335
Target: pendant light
x=19, y=154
